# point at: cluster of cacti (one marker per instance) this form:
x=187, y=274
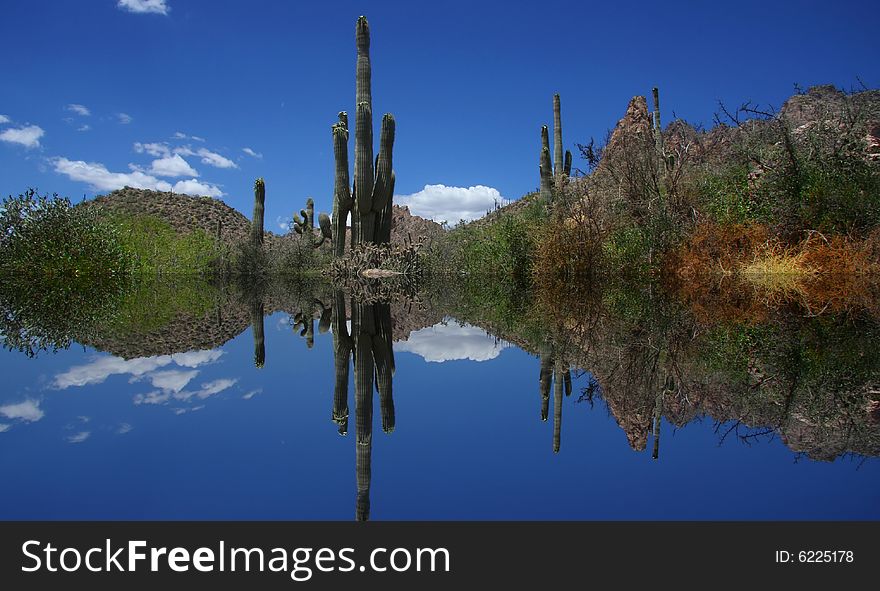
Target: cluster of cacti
x=370, y=199
x=305, y=225
x=257, y=220
x=550, y=365
x=554, y=174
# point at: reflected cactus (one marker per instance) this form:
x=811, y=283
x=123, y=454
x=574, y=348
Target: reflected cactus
x=557, y=406
x=257, y=220
x=259, y=338
x=342, y=348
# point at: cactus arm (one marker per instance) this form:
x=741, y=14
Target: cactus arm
x=566, y=170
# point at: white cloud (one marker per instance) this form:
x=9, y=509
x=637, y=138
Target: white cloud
x=85, y=127
x=207, y=390
x=28, y=136
x=26, y=410
x=101, y=368
x=215, y=159
x=252, y=393
x=144, y=6
x=123, y=428
x=79, y=437
x=195, y=359
x=4, y=427
x=101, y=179
x=172, y=380
x=81, y=110
x=172, y=166
x=450, y=204
x=447, y=342
x=123, y=118
x=154, y=397
x=283, y=223
x=4, y=119
x=153, y=149
x=250, y=152
x=98, y=370
x=194, y=187
x=179, y=135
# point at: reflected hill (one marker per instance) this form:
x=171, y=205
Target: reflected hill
x=813, y=381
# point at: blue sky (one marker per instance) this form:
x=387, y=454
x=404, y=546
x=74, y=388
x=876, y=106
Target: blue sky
x=170, y=93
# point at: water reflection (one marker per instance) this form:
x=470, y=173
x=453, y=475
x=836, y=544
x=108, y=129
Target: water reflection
x=810, y=382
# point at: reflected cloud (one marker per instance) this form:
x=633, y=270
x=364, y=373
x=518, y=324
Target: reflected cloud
x=102, y=368
x=450, y=341
x=79, y=437
x=4, y=428
x=173, y=380
x=26, y=410
x=252, y=393
x=123, y=429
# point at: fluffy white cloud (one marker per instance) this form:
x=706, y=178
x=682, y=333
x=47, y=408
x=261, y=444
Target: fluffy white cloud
x=101, y=179
x=154, y=397
x=144, y=6
x=26, y=410
x=4, y=119
x=153, y=149
x=123, y=118
x=194, y=187
x=451, y=204
x=79, y=437
x=250, y=152
x=28, y=136
x=81, y=110
x=214, y=159
x=172, y=166
x=448, y=342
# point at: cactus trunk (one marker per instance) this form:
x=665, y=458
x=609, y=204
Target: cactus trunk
x=342, y=201
x=545, y=167
x=257, y=221
x=544, y=379
x=557, y=407
x=557, y=140
x=341, y=357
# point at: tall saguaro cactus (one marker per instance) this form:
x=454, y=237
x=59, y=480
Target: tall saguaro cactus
x=370, y=199
x=257, y=221
x=554, y=175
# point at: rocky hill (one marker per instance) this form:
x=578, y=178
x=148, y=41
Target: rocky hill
x=186, y=213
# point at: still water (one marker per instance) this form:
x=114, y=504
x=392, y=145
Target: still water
x=251, y=407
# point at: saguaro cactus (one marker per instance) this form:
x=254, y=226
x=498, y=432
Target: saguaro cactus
x=370, y=198
x=257, y=221
x=257, y=328
x=554, y=175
